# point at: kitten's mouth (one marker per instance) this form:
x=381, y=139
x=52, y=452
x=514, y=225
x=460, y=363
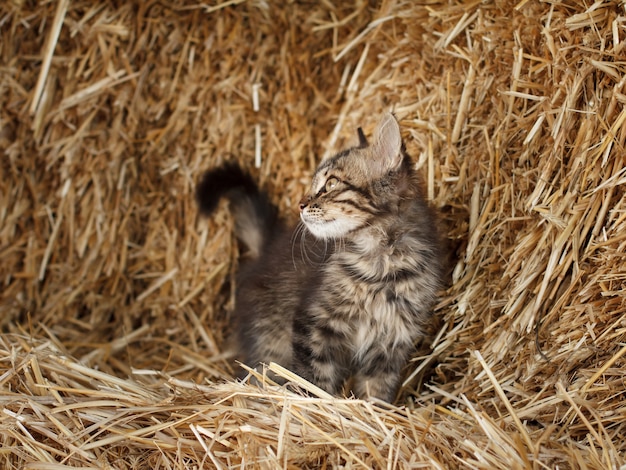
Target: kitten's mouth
x=307, y=219
x=329, y=229
x=318, y=227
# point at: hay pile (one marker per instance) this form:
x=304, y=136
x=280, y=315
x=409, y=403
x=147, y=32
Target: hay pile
x=115, y=295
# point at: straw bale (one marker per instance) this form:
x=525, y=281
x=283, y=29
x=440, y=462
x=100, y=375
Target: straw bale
x=115, y=295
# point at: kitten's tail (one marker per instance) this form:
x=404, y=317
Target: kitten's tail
x=255, y=216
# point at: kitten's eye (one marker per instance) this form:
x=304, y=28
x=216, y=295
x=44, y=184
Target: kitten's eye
x=331, y=183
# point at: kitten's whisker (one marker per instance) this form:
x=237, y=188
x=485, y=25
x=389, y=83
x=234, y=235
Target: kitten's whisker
x=304, y=253
x=298, y=236
x=294, y=235
x=292, y=242
x=337, y=243
x=304, y=246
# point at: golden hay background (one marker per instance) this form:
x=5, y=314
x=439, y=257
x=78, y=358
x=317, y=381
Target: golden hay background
x=114, y=294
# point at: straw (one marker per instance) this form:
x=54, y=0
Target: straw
x=116, y=295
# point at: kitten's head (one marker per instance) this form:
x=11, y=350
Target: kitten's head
x=356, y=187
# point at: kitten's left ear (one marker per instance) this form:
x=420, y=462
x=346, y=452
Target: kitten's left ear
x=388, y=143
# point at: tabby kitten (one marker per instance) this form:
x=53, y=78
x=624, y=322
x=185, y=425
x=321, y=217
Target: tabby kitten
x=348, y=293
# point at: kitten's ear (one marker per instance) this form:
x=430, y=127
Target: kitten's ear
x=388, y=143
x=362, y=139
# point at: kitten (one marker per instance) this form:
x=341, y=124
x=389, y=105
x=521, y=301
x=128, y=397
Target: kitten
x=349, y=292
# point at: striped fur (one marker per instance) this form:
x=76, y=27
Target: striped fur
x=350, y=291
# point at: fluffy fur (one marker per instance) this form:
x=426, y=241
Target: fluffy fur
x=350, y=291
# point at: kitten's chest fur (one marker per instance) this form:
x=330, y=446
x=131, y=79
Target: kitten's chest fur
x=365, y=303
x=373, y=294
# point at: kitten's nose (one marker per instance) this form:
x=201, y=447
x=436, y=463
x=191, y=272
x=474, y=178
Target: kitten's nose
x=304, y=202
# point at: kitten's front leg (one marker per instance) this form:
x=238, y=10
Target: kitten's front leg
x=379, y=375
x=319, y=356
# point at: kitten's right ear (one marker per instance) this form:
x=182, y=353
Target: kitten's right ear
x=388, y=143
